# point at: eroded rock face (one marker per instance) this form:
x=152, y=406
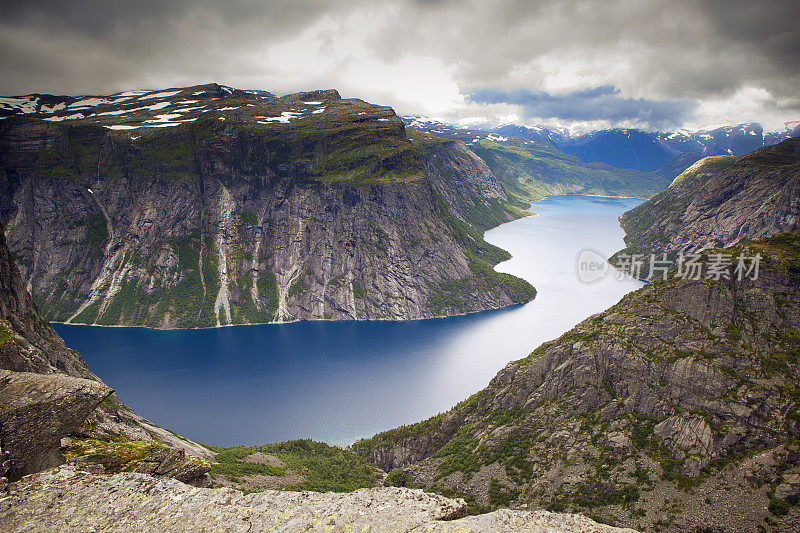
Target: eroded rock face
x=36, y=411
x=135, y=502
x=171, y=462
x=333, y=214
x=721, y=201
x=27, y=342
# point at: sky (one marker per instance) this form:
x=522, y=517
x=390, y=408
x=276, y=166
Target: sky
x=582, y=65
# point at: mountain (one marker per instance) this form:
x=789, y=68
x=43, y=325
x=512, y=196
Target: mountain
x=719, y=201
x=677, y=408
x=209, y=205
x=640, y=150
x=531, y=167
x=535, y=133
x=726, y=140
x=674, y=410
x=666, y=154
x=621, y=148
x=791, y=129
x=675, y=166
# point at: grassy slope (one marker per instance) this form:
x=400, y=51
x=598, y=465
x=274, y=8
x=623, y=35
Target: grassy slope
x=323, y=467
x=535, y=171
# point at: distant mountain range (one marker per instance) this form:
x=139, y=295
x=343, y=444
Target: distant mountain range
x=664, y=153
x=530, y=165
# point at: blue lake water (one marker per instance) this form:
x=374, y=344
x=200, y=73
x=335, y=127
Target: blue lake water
x=338, y=381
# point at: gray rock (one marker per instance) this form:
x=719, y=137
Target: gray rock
x=36, y=411
x=142, y=503
x=721, y=201
x=110, y=463
x=173, y=463
x=260, y=222
x=790, y=486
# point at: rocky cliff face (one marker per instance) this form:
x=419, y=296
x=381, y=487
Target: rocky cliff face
x=720, y=201
x=675, y=409
x=27, y=342
x=36, y=411
x=206, y=206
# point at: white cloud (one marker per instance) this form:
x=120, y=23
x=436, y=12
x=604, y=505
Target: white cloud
x=748, y=104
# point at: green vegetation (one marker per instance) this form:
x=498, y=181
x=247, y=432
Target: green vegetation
x=5, y=336
x=778, y=507
x=131, y=451
x=268, y=287
x=599, y=495
x=96, y=230
x=448, y=296
x=324, y=468
x=248, y=218
x=296, y=287
x=470, y=237
x=400, y=478
x=501, y=496
x=713, y=163
x=459, y=454
x=534, y=170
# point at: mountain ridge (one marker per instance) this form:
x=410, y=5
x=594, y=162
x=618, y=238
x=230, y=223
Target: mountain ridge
x=720, y=201
x=664, y=153
x=206, y=206
x=674, y=409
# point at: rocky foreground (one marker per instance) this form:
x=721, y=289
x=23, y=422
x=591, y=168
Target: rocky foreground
x=66, y=499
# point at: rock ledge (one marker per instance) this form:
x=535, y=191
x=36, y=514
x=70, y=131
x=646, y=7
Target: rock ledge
x=81, y=501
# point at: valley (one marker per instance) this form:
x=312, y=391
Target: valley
x=400, y=267
x=337, y=381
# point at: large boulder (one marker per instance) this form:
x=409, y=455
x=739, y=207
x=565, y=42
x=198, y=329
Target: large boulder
x=36, y=411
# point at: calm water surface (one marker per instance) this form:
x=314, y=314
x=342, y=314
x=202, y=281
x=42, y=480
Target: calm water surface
x=338, y=381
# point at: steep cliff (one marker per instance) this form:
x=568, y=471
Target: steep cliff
x=675, y=409
x=27, y=342
x=207, y=205
x=720, y=201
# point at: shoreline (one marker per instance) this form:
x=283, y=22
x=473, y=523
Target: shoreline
x=300, y=321
x=512, y=306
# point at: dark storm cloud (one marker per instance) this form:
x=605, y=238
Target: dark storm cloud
x=108, y=17
x=599, y=103
x=660, y=55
